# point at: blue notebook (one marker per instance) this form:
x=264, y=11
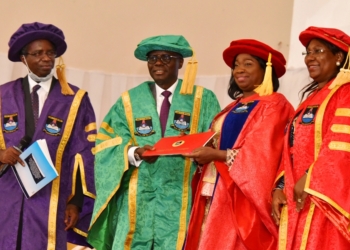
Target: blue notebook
x=38, y=170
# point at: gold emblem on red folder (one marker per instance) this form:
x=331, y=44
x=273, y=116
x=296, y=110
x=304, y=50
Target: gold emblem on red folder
x=178, y=143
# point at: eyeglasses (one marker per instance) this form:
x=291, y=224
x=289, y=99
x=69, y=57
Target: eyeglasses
x=40, y=54
x=165, y=58
x=315, y=52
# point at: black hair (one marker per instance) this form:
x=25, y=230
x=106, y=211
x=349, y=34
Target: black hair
x=234, y=91
x=311, y=87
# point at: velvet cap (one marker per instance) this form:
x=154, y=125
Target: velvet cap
x=173, y=43
x=334, y=36
x=255, y=48
x=30, y=32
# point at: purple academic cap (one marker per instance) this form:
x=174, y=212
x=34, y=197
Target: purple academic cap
x=30, y=32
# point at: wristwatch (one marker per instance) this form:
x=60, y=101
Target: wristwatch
x=137, y=156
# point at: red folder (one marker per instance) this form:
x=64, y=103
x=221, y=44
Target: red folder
x=176, y=145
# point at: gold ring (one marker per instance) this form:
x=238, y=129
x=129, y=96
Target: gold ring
x=299, y=200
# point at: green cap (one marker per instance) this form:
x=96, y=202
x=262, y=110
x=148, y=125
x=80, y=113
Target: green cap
x=172, y=43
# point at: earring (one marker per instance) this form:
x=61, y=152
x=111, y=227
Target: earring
x=337, y=63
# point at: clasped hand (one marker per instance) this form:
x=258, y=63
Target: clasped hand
x=279, y=199
x=149, y=159
x=204, y=155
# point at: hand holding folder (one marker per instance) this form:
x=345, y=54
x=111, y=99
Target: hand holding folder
x=179, y=145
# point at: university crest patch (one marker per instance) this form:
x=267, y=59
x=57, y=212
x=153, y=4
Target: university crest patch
x=308, y=117
x=181, y=121
x=10, y=123
x=144, y=126
x=53, y=126
x=242, y=107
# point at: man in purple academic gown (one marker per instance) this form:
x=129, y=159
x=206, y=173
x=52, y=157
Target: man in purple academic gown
x=61, y=211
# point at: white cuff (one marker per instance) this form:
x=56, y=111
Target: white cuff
x=131, y=157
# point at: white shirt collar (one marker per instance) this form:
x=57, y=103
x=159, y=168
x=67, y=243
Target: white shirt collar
x=159, y=90
x=45, y=86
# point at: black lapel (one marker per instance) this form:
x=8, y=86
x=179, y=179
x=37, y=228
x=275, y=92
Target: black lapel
x=30, y=126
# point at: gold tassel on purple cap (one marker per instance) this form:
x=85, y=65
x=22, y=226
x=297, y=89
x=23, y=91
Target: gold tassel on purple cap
x=189, y=76
x=61, y=74
x=266, y=87
x=343, y=76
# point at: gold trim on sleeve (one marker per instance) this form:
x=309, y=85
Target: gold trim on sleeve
x=91, y=137
x=107, y=144
x=79, y=164
x=340, y=128
x=90, y=127
x=129, y=116
x=342, y=112
x=103, y=137
x=58, y=164
x=339, y=145
x=106, y=127
x=329, y=201
x=187, y=170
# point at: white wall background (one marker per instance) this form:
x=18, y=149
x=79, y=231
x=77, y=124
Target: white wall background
x=102, y=36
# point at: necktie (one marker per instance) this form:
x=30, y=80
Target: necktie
x=35, y=102
x=164, y=110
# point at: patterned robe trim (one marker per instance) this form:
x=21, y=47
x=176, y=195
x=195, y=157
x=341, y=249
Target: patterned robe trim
x=103, y=207
x=90, y=127
x=59, y=155
x=188, y=163
x=318, y=141
x=231, y=155
x=91, y=137
x=134, y=176
x=106, y=127
x=283, y=229
x=108, y=143
x=342, y=112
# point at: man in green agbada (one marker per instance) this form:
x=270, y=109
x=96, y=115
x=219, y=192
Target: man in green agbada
x=144, y=203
